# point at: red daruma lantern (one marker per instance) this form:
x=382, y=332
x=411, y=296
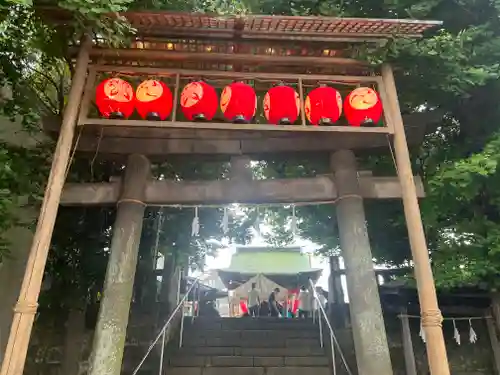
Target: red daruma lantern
x=238, y=103
x=153, y=100
x=281, y=105
x=199, y=101
x=114, y=98
x=363, y=107
x=323, y=106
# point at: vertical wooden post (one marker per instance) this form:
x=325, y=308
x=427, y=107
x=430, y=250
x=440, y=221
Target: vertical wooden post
x=111, y=328
x=27, y=304
x=332, y=299
x=495, y=346
x=431, y=315
x=240, y=169
x=336, y=301
x=368, y=329
x=337, y=291
x=165, y=307
x=411, y=367
x=495, y=307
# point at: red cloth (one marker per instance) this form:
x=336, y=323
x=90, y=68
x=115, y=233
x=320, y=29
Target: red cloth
x=243, y=307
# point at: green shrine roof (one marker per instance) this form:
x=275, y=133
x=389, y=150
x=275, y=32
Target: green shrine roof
x=269, y=260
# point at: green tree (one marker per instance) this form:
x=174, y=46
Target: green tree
x=453, y=74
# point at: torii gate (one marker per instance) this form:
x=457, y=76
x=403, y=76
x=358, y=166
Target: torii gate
x=298, y=50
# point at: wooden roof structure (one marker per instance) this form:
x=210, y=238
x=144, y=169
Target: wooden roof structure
x=177, y=48
x=270, y=27
x=166, y=23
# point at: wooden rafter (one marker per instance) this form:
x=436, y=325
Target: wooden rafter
x=256, y=25
x=261, y=26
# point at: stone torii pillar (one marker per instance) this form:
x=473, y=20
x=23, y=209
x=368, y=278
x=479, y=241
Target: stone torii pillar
x=368, y=329
x=111, y=329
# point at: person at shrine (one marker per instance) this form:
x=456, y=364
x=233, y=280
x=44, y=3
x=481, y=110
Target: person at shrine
x=274, y=307
x=253, y=301
x=305, y=302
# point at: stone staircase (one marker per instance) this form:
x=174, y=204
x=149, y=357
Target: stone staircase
x=246, y=346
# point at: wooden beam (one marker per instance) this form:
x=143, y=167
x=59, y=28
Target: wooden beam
x=448, y=310
x=495, y=346
x=27, y=304
x=167, y=125
x=409, y=353
x=158, y=142
x=165, y=55
x=384, y=272
x=316, y=189
x=351, y=80
x=152, y=32
x=431, y=316
x=159, y=148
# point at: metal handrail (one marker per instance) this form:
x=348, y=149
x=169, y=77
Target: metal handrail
x=164, y=330
x=195, y=311
x=333, y=338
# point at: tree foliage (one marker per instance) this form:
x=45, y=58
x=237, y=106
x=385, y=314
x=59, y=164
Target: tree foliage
x=36, y=72
x=453, y=73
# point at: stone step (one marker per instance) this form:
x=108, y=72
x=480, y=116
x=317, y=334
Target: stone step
x=246, y=361
x=254, y=324
x=251, y=351
x=285, y=370
x=263, y=319
x=254, y=334
x=269, y=342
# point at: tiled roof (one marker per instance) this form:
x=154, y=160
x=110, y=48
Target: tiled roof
x=267, y=261
x=264, y=25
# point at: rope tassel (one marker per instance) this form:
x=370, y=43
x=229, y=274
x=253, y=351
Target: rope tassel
x=293, y=224
x=256, y=224
x=422, y=332
x=472, y=333
x=225, y=221
x=456, y=334
x=195, y=226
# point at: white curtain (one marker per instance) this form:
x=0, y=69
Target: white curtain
x=264, y=285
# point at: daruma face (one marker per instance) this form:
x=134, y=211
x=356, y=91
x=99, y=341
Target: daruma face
x=114, y=98
x=199, y=101
x=307, y=108
x=267, y=104
x=118, y=90
x=153, y=100
x=191, y=95
x=225, y=98
x=363, y=107
x=363, y=98
x=339, y=102
x=149, y=90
